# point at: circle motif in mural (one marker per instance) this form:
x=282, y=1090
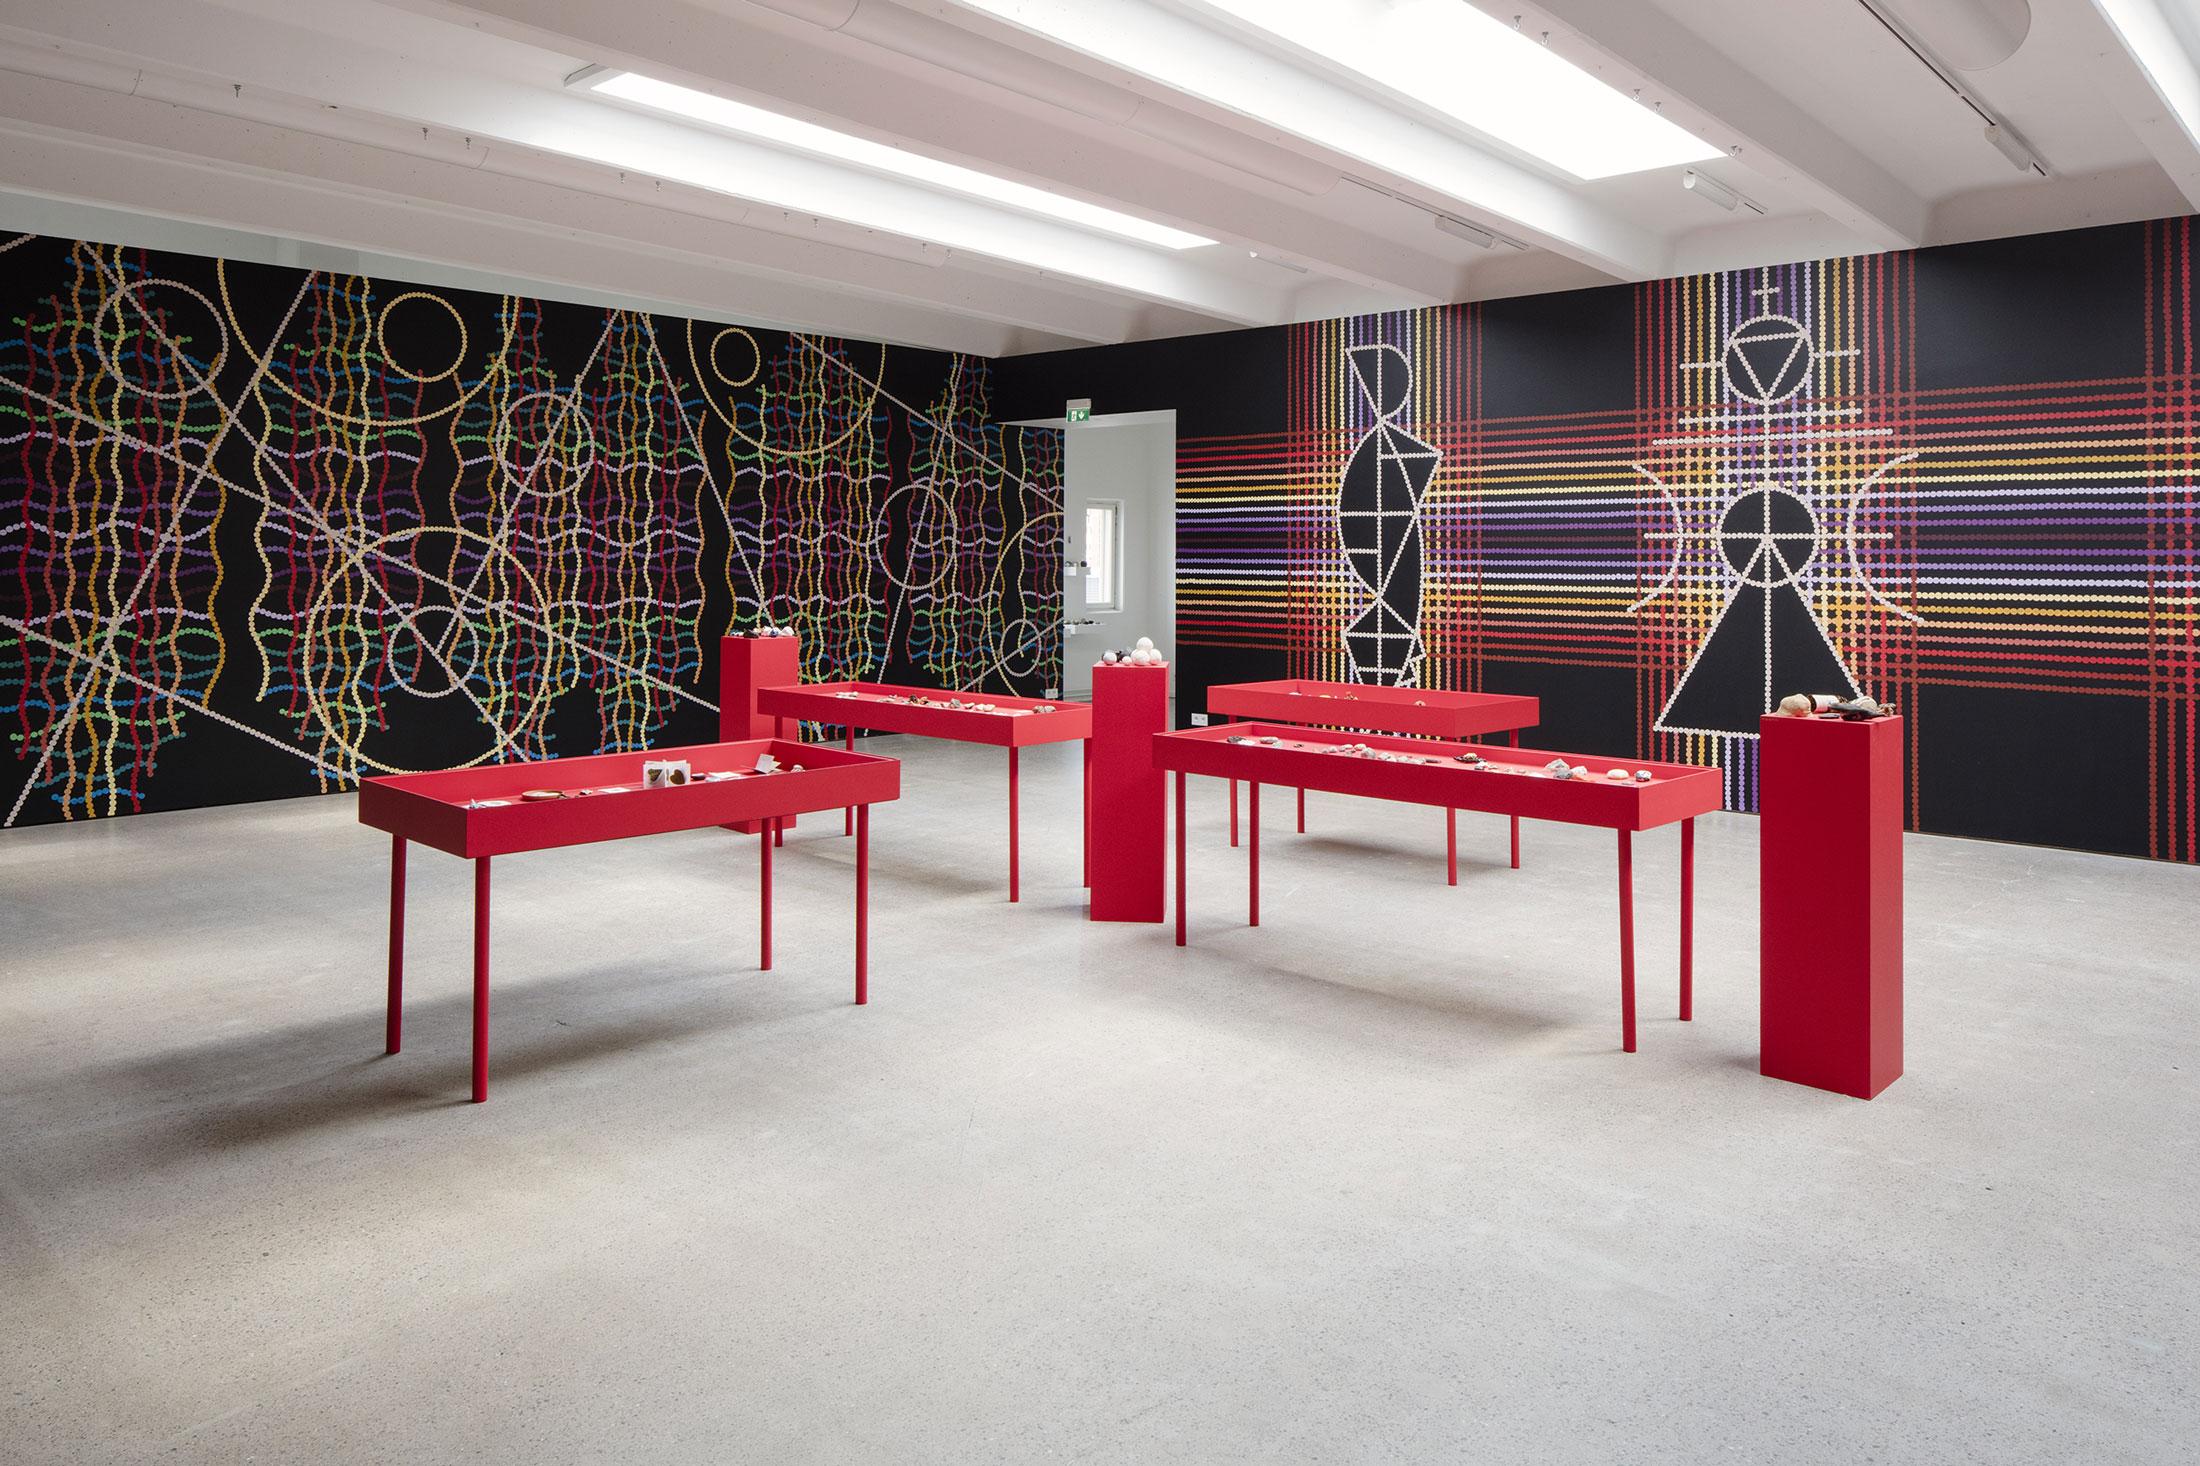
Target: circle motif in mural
x=1767, y=536
x=1767, y=359
x=152, y=349
x=413, y=326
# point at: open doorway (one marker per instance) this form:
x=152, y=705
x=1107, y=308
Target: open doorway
x=1119, y=544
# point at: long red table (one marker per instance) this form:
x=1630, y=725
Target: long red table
x=483, y=812
x=1420, y=712
x=1510, y=781
x=966, y=717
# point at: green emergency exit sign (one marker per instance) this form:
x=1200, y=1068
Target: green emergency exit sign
x=1080, y=410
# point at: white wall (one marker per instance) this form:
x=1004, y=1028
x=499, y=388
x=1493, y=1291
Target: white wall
x=1130, y=457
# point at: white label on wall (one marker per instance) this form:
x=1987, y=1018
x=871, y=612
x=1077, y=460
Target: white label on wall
x=1199, y=720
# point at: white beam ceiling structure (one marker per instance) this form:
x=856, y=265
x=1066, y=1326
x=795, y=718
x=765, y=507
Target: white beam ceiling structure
x=1262, y=161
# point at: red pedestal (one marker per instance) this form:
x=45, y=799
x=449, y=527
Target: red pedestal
x=1830, y=870
x=1129, y=824
x=746, y=663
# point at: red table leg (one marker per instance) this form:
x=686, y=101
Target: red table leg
x=1252, y=842
x=1013, y=894
x=1088, y=811
x=1302, y=811
x=394, y=1028
x=848, y=816
x=1233, y=814
x=481, y=979
x=1516, y=818
x=863, y=903
x=1688, y=920
x=1180, y=849
x=1451, y=847
x=765, y=905
x=1626, y=942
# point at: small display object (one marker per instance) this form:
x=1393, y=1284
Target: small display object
x=1140, y=654
x=666, y=773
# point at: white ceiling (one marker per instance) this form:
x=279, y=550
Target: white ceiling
x=443, y=133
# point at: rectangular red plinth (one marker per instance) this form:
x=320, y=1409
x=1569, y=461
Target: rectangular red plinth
x=1129, y=825
x=1830, y=870
x=747, y=664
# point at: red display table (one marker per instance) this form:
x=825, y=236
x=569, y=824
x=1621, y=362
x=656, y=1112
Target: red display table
x=1829, y=829
x=1009, y=722
x=1424, y=712
x=746, y=663
x=1512, y=783
x=478, y=813
x=1128, y=816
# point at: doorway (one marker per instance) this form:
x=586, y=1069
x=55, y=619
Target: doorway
x=1119, y=539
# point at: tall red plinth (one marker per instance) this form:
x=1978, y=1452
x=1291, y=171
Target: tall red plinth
x=746, y=663
x=1829, y=798
x=1129, y=825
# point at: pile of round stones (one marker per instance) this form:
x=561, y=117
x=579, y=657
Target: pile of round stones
x=1141, y=655
x=773, y=631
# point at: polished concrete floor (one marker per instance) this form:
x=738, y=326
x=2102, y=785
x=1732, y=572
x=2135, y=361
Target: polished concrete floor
x=1370, y=1183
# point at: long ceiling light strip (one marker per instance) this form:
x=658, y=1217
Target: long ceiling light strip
x=1478, y=71
x=757, y=124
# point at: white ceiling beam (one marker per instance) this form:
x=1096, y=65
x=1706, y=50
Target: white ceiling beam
x=1779, y=140
x=1214, y=71
x=918, y=82
x=2150, y=57
x=342, y=61
x=96, y=146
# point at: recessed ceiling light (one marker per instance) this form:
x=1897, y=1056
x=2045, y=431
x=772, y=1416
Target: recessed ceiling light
x=808, y=137
x=1477, y=70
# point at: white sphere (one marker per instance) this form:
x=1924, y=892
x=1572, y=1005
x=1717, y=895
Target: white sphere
x=1145, y=643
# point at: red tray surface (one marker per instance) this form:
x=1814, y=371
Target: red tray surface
x=478, y=811
x=1431, y=711
x=1302, y=758
x=1017, y=722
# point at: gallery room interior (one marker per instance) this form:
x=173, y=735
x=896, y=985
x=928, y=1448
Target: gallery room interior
x=839, y=731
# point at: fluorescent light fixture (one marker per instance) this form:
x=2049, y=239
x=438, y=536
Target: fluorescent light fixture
x=1711, y=191
x=1460, y=229
x=1449, y=57
x=807, y=137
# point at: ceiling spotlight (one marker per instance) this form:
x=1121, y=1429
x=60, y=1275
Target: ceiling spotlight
x=2012, y=147
x=1459, y=228
x=1710, y=190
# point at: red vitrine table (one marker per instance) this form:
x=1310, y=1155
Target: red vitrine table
x=1003, y=721
x=483, y=812
x=1511, y=782
x=1421, y=712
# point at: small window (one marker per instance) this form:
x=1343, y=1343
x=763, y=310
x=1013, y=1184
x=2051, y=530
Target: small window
x=1104, y=555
